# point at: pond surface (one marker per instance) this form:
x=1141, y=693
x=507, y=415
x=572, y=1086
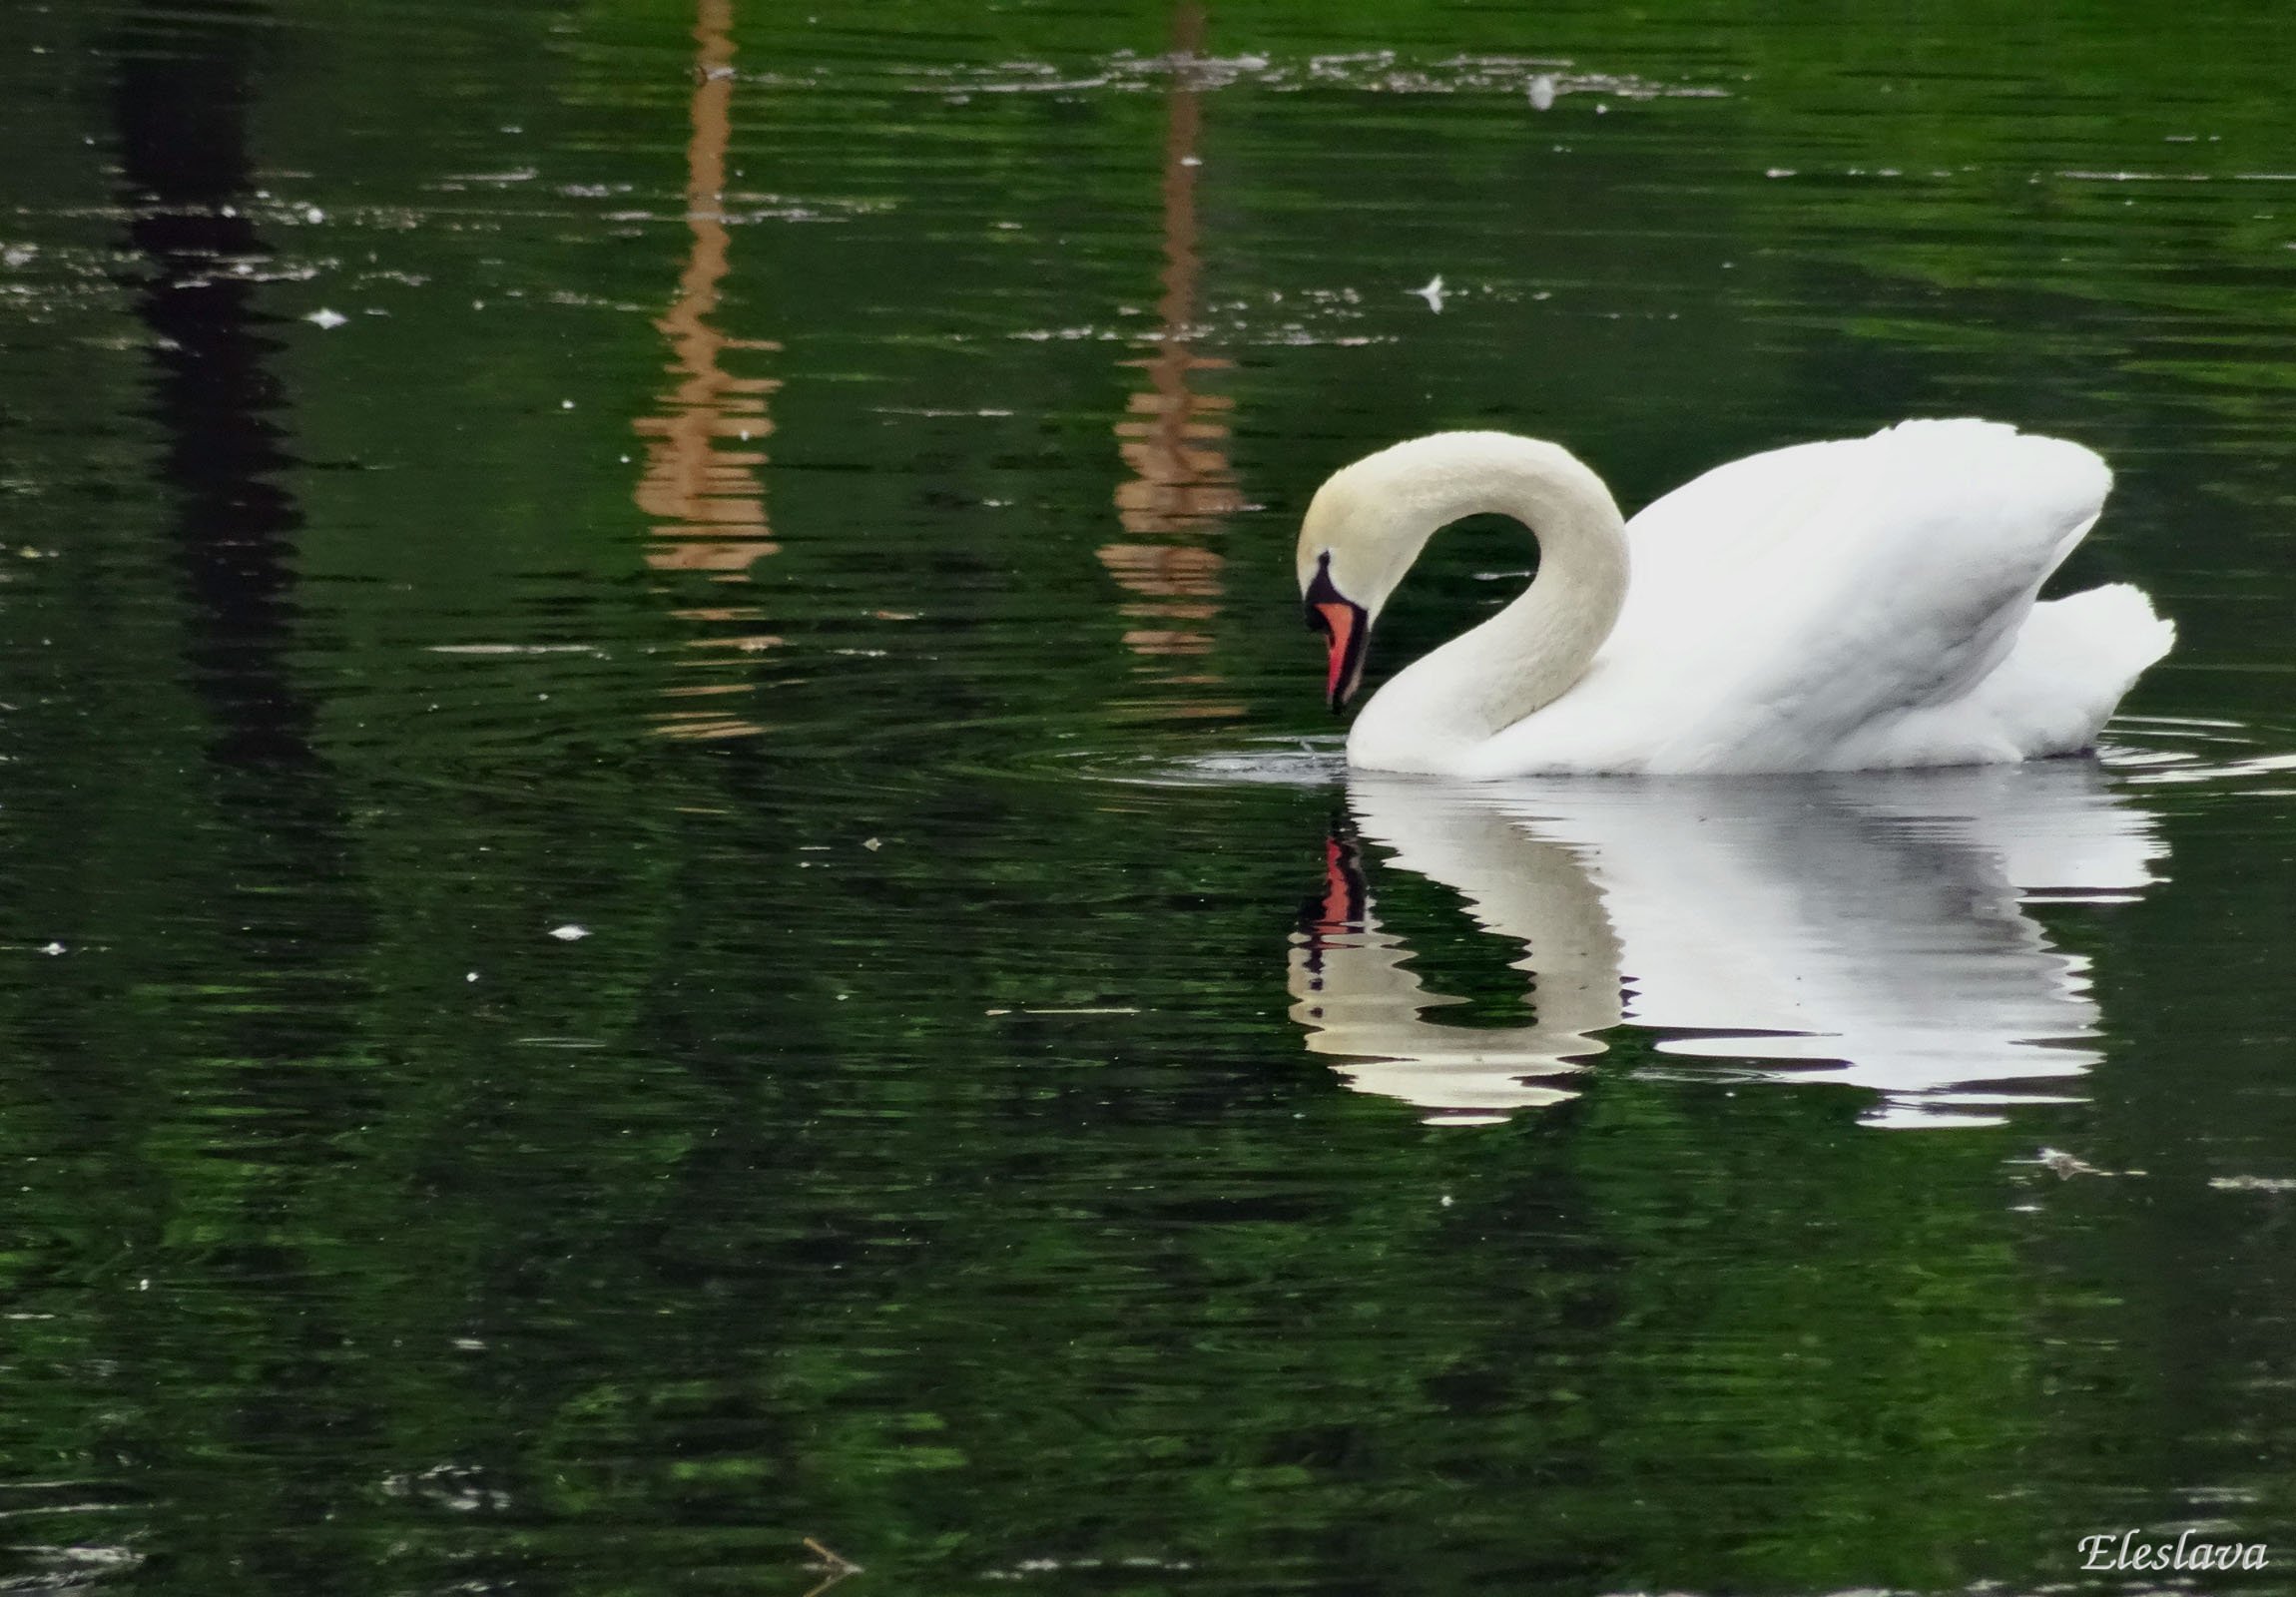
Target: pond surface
x=672, y=879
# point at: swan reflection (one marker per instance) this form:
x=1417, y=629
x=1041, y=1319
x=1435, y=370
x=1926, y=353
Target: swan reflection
x=1870, y=929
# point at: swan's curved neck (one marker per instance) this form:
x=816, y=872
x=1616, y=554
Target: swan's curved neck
x=1531, y=652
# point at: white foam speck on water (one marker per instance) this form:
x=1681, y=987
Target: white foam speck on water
x=1283, y=762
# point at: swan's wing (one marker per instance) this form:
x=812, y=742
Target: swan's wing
x=1960, y=503
x=1783, y=602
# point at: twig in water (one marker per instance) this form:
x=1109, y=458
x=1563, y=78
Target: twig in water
x=837, y=1565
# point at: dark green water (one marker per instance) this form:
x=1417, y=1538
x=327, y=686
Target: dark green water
x=806, y=497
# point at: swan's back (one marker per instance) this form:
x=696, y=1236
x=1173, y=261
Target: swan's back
x=1847, y=604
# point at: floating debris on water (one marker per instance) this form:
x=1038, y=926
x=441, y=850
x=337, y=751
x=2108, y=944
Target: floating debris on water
x=1365, y=71
x=2065, y=1166
x=514, y=649
x=1112, y=1009
x=836, y=1565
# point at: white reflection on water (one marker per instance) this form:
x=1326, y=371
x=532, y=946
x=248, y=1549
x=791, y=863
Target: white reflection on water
x=1868, y=929
x=1360, y=71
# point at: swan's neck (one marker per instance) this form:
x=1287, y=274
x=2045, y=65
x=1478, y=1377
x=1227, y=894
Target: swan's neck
x=1530, y=653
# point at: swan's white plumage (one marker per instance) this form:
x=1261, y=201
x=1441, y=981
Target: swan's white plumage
x=1857, y=604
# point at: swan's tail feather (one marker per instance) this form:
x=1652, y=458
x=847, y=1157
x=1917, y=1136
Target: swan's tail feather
x=2074, y=659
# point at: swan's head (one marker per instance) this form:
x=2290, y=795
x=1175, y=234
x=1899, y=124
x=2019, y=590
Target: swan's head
x=1349, y=561
x=1366, y=526
x=1368, y=521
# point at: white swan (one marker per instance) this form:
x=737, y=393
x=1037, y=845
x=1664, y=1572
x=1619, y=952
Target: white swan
x=1841, y=606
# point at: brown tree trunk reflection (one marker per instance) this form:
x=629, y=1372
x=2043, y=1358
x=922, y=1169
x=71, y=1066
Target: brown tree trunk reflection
x=708, y=500
x=1172, y=437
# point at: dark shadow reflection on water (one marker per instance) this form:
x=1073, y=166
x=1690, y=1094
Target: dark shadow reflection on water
x=181, y=103
x=1867, y=930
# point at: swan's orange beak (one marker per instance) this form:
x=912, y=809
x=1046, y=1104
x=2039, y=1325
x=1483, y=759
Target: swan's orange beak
x=1345, y=629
